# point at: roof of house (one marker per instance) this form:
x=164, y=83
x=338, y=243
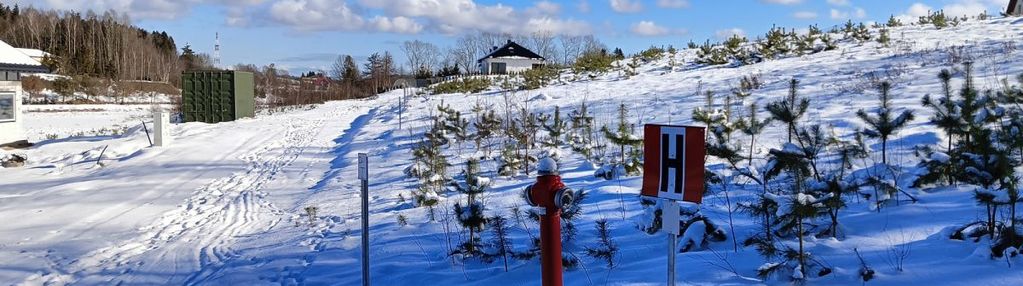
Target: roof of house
x=34, y=53
x=509, y=50
x=12, y=58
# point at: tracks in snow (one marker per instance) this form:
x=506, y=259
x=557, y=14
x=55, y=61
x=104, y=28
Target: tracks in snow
x=188, y=242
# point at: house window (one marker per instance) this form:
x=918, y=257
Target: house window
x=536, y=66
x=498, y=68
x=7, y=107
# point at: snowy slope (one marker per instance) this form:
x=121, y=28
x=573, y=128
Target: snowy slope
x=226, y=203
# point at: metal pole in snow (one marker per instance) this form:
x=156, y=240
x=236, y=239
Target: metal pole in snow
x=670, y=220
x=364, y=178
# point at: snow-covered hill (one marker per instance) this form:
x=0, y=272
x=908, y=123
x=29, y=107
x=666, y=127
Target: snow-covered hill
x=227, y=203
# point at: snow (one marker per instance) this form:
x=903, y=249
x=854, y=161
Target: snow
x=225, y=204
x=11, y=55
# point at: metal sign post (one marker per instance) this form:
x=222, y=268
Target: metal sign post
x=673, y=170
x=670, y=219
x=364, y=178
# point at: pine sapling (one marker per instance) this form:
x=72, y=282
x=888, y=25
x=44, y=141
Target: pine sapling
x=884, y=123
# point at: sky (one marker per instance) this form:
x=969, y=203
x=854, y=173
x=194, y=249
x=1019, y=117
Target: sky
x=302, y=35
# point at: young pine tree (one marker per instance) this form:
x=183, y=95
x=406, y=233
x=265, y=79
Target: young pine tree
x=556, y=128
x=789, y=110
x=623, y=137
x=884, y=123
x=502, y=244
x=580, y=136
x=470, y=215
x=752, y=126
x=608, y=248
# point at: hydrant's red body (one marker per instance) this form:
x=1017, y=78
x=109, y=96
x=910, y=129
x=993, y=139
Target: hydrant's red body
x=545, y=193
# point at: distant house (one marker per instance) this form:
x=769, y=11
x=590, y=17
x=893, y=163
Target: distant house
x=13, y=64
x=510, y=58
x=1015, y=8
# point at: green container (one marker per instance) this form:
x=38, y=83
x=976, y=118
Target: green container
x=217, y=96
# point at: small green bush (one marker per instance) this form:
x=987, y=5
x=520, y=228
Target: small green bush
x=539, y=77
x=464, y=85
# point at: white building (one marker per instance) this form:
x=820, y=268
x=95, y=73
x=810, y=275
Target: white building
x=1015, y=8
x=13, y=64
x=510, y=58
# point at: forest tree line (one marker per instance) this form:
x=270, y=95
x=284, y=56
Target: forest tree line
x=103, y=45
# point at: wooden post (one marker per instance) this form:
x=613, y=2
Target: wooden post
x=364, y=178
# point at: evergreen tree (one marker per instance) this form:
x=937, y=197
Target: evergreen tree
x=623, y=137
x=894, y=22
x=470, y=215
x=581, y=133
x=607, y=248
x=487, y=125
x=556, y=129
x=752, y=126
x=502, y=244
x=883, y=124
x=946, y=117
x=789, y=110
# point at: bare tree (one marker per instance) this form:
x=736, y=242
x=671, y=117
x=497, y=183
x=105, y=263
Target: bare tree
x=542, y=43
x=571, y=48
x=466, y=51
x=421, y=55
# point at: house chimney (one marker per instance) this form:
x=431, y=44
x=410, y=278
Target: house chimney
x=509, y=41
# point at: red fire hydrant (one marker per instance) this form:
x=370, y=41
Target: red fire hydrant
x=551, y=196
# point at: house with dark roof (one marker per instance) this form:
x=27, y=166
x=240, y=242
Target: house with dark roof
x=510, y=58
x=1015, y=8
x=13, y=63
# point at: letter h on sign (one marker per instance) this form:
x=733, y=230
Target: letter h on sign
x=673, y=162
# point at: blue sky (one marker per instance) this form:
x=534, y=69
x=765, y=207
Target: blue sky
x=300, y=35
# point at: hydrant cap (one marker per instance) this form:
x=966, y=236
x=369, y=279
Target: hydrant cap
x=547, y=166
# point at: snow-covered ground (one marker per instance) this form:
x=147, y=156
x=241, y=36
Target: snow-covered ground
x=226, y=203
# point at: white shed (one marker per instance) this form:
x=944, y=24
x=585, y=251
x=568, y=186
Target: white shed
x=13, y=63
x=510, y=58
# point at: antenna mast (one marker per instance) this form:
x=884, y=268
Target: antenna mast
x=216, y=51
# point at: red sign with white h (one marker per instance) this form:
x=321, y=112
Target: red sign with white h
x=673, y=162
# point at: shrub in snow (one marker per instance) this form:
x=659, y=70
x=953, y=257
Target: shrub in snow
x=698, y=231
x=883, y=123
x=580, y=135
x=606, y=249
x=610, y=171
x=556, y=128
x=623, y=137
x=470, y=215
x=789, y=110
x=500, y=243
x=8, y=160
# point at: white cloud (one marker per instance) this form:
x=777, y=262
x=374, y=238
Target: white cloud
x=583, y=6
x=316, y=15
x=626, y=6
x=955, y=8
x=728, y=33
x=545, y=8
x=649, y=29
x=672, y=3
x=855, y=13
x=839, y=2
x=805, y=15
x=136, y=9
x=398, y=24
x=456, y=16
x=782, y=2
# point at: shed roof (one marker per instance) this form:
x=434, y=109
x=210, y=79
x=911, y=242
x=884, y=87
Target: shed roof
x=511, y=49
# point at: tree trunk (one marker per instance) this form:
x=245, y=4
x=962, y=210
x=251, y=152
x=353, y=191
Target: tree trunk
x=802, y=261
x=884, y=151
x=753, y=140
